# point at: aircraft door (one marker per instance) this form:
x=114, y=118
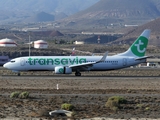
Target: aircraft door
x=124, y=61
x=22, y=61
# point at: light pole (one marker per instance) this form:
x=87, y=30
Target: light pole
x=29, y=45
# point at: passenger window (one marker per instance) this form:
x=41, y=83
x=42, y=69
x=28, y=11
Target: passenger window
x=12, y=61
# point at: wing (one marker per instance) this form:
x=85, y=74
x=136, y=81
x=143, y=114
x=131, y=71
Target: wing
x=89, y=64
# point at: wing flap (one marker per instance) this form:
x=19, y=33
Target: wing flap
x=83, y=64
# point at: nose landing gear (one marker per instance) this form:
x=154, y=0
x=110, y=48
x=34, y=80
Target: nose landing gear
x=77, y=73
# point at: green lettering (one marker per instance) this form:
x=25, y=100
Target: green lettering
x=35, y=60
x=50, y=60
x=64, y=61
x=82, y=60
x=30, y=61
x=72, y=61
x=77, y=60
x=42, y=61
x=57, y=61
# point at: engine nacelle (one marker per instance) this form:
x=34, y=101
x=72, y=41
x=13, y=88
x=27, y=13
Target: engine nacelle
x=63, y=70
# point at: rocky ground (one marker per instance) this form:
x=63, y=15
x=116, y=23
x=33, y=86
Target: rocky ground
x=88, y=95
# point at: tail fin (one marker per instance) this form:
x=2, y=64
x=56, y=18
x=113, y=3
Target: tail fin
x=73, y=52
x=138, y=48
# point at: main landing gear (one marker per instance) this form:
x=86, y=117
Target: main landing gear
x=18, y=74
x=77, y=73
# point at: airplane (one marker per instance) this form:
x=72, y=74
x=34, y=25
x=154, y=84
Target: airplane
x=68, y=64
x=73, y=52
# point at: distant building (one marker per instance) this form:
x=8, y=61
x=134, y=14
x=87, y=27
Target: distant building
x=3, y=60
x=78, y=42
x=131, y=25
x=40, y=44
x=30, y=29
x=7, y=43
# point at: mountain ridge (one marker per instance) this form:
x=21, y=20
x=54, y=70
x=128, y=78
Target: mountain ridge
x=107, y=12
x=67, y=6
x=132, y=34
x=13, y=11
x=41, y=17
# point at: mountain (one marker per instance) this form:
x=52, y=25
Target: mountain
x=50, y=6
x=47, y=33
x=132, y=34
x=13, y=11
x=118, y=12
x=88, y=14
x=40, y=17
x=156, y=3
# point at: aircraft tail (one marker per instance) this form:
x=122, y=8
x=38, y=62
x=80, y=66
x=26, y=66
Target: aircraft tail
x=73, y=52
x=138, y=48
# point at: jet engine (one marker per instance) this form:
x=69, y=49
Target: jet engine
x=63, y=70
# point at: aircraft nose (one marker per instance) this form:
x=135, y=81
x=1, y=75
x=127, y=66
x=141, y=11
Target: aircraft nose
x=5, y=65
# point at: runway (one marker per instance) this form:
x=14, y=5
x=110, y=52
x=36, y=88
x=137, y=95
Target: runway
x=60, y=77
x=128, y=73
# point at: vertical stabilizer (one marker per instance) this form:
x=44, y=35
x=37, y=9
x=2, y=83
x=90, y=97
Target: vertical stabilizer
x=138, y=48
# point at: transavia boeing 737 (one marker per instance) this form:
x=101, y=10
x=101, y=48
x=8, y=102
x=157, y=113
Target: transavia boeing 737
x=67, y=64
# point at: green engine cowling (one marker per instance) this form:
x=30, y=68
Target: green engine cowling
x=63, y=70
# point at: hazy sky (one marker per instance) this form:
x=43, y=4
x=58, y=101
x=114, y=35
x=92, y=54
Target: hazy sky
x=66, y=6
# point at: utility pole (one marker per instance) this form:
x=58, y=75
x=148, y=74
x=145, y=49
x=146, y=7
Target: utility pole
x=29, y=45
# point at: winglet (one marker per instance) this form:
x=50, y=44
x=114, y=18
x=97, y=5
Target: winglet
x=103, y=58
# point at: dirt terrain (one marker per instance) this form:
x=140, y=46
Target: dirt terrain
x=88, y=94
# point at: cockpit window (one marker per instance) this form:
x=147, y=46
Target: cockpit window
x=12, y=61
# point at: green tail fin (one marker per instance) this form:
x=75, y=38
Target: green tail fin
x=138, y=48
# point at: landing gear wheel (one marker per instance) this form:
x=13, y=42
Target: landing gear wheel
x=77, y=74
x=18, y=74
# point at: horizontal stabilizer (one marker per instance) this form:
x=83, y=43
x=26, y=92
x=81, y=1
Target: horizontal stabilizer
x=141, y=58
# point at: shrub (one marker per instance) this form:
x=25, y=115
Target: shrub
x=24, y=95
x=66, y=106
x=140, y=105
x=14, y=94
x=147, y=108
x=114, y=102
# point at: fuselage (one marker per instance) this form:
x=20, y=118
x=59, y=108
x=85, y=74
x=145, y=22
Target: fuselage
x=48, y=63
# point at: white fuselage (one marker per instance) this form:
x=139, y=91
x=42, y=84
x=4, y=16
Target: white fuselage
x=67, y=64
x=48, y=63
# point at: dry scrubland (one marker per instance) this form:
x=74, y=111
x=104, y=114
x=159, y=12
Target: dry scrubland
x=66, y=49
x=89, y=96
